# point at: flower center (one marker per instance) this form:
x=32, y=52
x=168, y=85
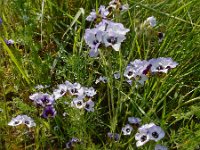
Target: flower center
x=143, y=138
x=128, y=130
x=16, y=122
x=130, y=73
x=112, y=40
x=155, y=134
x=87, y=106
x=79, y=103
x=160, y=68
x=26, y=122
x=95, y=42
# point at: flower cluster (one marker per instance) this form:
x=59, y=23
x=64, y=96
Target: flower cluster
x=82, y=96
x=45, y=101
x=145, y=132
x=107, y=33
x=22, y=119
x=140, y=69
x=105, y=12
x=148, y=132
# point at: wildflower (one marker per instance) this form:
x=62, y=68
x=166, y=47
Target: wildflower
x=162, y=64
x=16, y=121
x=148, y=132
x=129, y=72
x=89, y=106
x=137, y=70
x=93, y=38
x=71, y=143
x=1, y=21
x=113, y=39
x=48, y=111
x=127, y=129
x=113, y=136
x=90, y=92
x=28, y=121
x=134, y=121
x=76, y=89
x=42, y=99
x=150, y=21
x=101, y=79
x=22, y=119
x=142, y=138
x=9, y=42
x=160, y=147
x=102, y=13
x=58, y=93
x=78, y=103
x=156, y=133
x=92, y=16
x=117, y=75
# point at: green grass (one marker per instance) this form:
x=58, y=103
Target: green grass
x=50, y=49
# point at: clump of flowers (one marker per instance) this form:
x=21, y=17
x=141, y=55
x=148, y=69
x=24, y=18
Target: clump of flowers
x=139, y=70
x=82, y=96
x=107, y=33
x=45, y=101
x=148, y=132
x=22, y=119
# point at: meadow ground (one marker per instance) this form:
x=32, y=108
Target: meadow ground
x=49, y=46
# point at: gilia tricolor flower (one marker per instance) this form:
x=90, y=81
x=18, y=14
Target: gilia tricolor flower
x=22, y=119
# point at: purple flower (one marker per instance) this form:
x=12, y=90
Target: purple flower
x=22, y=119
x=127, y=129
x=93, y=38
x=102, y=12
x=134, y=120
x=162, y=64
x=150, y=21
x=89, y=106
x=9, y=42
x=48, y=111
x=42, y=99
x=136, y=70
